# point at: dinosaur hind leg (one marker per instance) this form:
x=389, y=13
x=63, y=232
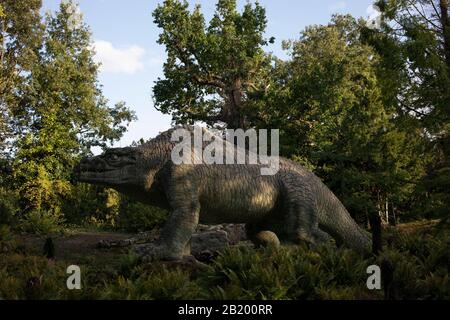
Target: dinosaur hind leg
x=302, y=223
x=321, y=236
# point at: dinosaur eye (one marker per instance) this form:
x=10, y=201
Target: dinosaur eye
x=114, y=157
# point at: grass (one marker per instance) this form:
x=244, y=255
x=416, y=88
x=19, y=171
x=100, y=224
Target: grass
x=420, y=261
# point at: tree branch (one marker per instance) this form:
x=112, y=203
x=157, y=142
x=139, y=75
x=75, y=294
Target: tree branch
x=425, y=17
x=438, y=14
x=210, y=80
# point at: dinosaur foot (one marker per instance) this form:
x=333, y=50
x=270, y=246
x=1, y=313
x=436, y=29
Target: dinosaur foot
x=155, y=252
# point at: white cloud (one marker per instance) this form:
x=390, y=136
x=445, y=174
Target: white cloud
x=118, y=60
x=338, y=6
x=156, y=61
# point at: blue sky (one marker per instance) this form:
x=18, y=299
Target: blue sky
x=125, y=39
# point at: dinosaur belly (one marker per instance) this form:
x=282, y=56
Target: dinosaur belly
x=238, y=199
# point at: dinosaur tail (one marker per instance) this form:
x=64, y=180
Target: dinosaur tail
x=336, y=221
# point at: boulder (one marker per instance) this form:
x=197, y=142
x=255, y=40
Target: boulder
x=206, y=242
x=212, y=241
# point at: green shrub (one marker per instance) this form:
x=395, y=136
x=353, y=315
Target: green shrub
x=41, y=222
x=421, y=265
x=5, y=233
x=159, y=283
x=90, y=205
x=136, y=217
x=420, y=271
x=292, y=272
x=128, y=264
x=9, y=207
x=105, y=208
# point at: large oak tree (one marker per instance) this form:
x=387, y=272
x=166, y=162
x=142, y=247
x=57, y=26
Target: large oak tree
x=211, y=68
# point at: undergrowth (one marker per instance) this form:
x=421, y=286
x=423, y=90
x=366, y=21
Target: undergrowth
x=420, y=262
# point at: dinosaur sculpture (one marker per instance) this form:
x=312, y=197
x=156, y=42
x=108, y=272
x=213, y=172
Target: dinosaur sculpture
x=292, y=205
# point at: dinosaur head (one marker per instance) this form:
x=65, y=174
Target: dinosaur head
x=115, y=168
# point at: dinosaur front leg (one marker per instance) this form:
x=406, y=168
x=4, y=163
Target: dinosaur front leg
x=175, y=237
x=174, y=242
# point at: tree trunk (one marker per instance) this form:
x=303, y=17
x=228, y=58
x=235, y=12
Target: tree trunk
x=233, y=113
x=445, y=21
x=386, y=210
x=375, y=224
x=394, y=216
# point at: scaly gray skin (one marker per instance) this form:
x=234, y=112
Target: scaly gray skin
x=293, y=204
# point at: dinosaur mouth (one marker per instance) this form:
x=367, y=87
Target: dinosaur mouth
x=112, y=167
x=87, y=171
x=94, y=170
x=82, y=169
x=106, y=176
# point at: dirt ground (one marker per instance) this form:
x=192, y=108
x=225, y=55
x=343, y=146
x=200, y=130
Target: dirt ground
x=77, y=246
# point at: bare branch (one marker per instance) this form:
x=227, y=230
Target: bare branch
x=438, y=14
x=422, y=14
x=208, y=82
x=403, y=105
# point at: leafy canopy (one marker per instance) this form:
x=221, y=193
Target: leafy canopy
x=212, y=67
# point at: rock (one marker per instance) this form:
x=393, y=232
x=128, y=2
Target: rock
x=206, y=242
x=206, y=256
x=142, y=237
x=142, y=249
x=210, y=240
x=236, y=233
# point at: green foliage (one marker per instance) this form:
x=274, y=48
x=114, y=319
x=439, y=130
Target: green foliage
x=414, y=49
x=329, y=107
x=210, y=68
x=128, y=264
x=419, y=32
x=433, y=196
x=38, y=189
x=36, y=278
x=154, y=284
x=56, y=109
x=85, y=201
x=105, y=208
x=286, y=273
x=20, y=40
x=18, y=272
x=298, y=273
x=420, y=260
x=9, y=207
x=136, y=217
x=5, y=233
x=41, y=222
